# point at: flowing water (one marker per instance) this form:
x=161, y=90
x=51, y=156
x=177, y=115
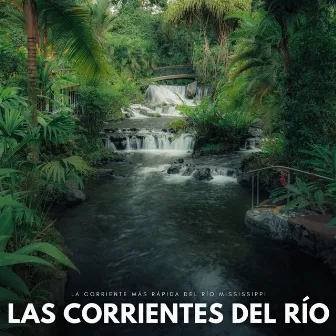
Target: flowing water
x=147, y=231
x=164, y=99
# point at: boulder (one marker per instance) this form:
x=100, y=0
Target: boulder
x=191, y=90
x=244, y=179
x=104, y=172
x=180, y=160
x=202, y=174
x=187, y=169
x=165, y=109
x=255, y=132
x=119, y=140
x=145, y=112
x=74, y=195
x=128, y=113
x=174, y=168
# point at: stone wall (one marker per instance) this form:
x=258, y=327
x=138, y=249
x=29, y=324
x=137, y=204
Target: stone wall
x=303, y=228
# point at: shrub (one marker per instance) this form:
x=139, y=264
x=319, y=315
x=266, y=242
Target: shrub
x=212, y=149
x=178, y=125
x=274, y=146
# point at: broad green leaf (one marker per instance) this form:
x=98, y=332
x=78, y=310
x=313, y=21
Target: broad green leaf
x=9, y=259
x=6, y=227
x=10, y=279
x=334, y=161
x=4, y=237
x=302, y=187
x=277, y=192
x=296, y=202
x=8, y=201
x=331, y=224
x=7, y=171
x=281, y=198
x=303, y=203
x=7, y=296
x=294, y=189
x=41, y=121
x=47, y=249
x=319, y=197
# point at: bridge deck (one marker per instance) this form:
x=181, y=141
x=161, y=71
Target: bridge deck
x=180, y=66
x=179, y=76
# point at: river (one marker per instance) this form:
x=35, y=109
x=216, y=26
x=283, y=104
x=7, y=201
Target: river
x=144, y=230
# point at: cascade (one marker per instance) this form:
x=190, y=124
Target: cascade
x=148, y=140
x=163, y=100
x=199, y=91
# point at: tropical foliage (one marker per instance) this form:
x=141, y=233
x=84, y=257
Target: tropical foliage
x=268, y=63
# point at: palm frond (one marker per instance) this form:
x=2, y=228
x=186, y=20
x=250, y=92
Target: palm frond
x=72, y=34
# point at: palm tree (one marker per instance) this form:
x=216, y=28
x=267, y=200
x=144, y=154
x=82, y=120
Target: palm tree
x=71, y=34
x=205, y=13
x=101, y=16
x=257, y=53
x=208, y=13
x=67, y=25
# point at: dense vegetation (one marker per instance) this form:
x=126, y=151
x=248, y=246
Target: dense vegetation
x=267, y=63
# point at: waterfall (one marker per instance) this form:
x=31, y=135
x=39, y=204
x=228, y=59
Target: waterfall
x=250, y=143
x=163, y=100
x=148, y=140
x=199, y=92
x=158, y=94
x=110, y=145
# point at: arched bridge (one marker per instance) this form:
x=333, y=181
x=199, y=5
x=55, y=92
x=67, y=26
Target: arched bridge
x=174, y=76
x=179, y=76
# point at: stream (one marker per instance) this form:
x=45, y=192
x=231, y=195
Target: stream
x=144, y=230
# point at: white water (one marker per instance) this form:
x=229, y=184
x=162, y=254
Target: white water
x=146, y=140
x=163, y=99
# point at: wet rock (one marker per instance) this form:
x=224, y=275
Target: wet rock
x=230, y=173
x=191, y=90
x=119, y=140
x=145, y=112
x=187, y=169
x=180, y=160
x=255, y=131
x=244, y=179
x=129, y=111
x=74, y=195
x=202, y=174
x=303, y=228
x=104, y=172
x=166, y=108
x=174, y=168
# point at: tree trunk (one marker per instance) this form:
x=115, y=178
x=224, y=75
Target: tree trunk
x=286, y=56
x=30, y=19
x=286, y=53
x=45, y=42
x=203, y=91
x=30, y=14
